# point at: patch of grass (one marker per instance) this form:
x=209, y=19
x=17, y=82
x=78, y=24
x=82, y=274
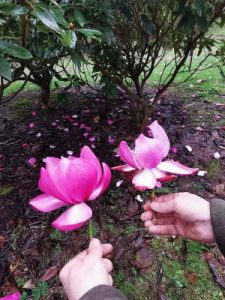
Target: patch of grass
x=57, y=235
x=22, y=109
x=6, y=190
x=197, y=186
x=213, y=168
x=131, y=228
x=40, y=291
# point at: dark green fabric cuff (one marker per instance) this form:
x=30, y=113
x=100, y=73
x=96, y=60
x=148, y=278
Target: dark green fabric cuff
x=217, y=211
x=103, y=292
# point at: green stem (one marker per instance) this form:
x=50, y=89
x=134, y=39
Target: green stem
x=90, y=230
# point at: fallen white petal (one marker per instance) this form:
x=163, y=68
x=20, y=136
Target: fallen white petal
x=202, y=173
x=216, y=155
x=52, y=146
x=69, y=152
x=119, y=183
x=138, y=198
x=188, y=148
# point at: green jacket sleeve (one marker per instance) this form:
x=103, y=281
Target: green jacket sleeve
x=217, y=211
x=103, y=292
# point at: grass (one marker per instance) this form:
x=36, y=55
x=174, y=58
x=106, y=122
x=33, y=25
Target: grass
x=6, y=190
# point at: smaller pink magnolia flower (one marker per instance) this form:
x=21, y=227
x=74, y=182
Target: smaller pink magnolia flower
x=54, y=124
x=85, y=134
x=93, y=146
x=32, y=161
x=34, y=113
x=15, y=296
x=92, y=139
x=70, y=182
x=31, y=125
x=145, y=164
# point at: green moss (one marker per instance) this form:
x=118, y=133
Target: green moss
x=22, y=109
x=213, y=168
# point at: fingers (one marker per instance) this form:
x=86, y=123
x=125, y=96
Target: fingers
x=95, y=248
x=163, y=229
x=164, y=207
x=163, y=221
x=110, y=280
x=108, y=265
x=148, y=215
x=107, y=249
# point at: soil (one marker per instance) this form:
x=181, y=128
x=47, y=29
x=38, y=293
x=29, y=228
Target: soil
x=29, y=246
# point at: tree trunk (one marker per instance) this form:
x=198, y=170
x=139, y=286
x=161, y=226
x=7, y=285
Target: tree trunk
x=45, y=95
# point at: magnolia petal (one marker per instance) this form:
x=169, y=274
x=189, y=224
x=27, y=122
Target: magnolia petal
x=149, y=152
x=144, y=179
x=46, y=203
x=159, y=133
x=15, y=296
x=89, y=155
x=127, y=155
x=123, y=168
x=47, y=186
x=73, y=218
x=162, y=176
x=78, y=178
x=103, y=183
x=174, y=167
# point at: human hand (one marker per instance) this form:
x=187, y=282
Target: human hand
x=86, y=270
x=181, y=214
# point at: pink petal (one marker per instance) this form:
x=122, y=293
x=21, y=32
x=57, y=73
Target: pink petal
x=32, y=161
x=77, y=178
x=123, y=168
x=144, y=179
x=47, y=186
x=149, y=152
x=89, y=155
x=127, y=155
x=159, y=133
x=103, y=183
x=73, y=218
x=46, y=203
x=174, y=167
x=15, y=296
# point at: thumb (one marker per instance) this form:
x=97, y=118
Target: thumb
x=95, y=248
x=164, y=207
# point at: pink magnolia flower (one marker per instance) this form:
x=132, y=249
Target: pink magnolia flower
x=111, y=140
x=145, y=163
x=34, y=113
x=110, y=122
x=15, y=296
x=71, y=182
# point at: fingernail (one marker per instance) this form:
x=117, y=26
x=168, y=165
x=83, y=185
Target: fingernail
x=94, y=242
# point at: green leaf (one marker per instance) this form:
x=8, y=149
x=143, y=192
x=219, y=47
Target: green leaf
x=203, y=24
x=15, y=50
x=5, y=69
x=79, y=18
x=69, y=39
x=148, y=25
x=12, y=9
x=47, y=18
x=200, y=7
x=91, y=33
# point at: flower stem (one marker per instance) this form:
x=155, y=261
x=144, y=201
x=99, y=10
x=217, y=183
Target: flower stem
x=90, y=230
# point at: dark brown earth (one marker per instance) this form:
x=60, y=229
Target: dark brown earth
x=29, y=246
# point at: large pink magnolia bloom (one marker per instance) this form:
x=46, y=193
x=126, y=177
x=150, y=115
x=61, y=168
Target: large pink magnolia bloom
x=71, y=181
x=15, y=296
x=145, y=163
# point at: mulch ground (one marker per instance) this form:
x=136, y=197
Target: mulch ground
x=31, y=250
